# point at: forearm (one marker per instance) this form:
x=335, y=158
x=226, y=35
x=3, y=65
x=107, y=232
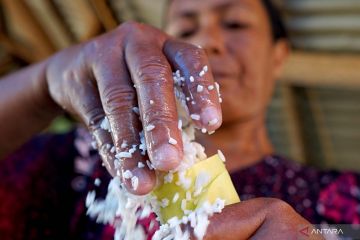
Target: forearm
x=25, y=106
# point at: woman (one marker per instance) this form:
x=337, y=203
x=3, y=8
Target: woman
x=97, y=78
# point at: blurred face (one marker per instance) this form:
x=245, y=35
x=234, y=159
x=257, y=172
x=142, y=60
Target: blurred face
x=236, y=35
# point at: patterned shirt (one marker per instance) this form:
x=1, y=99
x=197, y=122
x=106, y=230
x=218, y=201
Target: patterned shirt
x=43, y=186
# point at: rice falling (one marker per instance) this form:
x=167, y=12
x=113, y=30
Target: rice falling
x=97, y=182
x=120, y=204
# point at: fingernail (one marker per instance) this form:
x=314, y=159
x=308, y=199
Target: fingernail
x=166, y=157
x=146, y=181
x=210, y=115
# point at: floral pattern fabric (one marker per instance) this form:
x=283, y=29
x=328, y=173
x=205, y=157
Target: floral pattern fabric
x=43, y=186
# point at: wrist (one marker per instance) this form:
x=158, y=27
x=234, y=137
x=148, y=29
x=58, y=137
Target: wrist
x=45, y=106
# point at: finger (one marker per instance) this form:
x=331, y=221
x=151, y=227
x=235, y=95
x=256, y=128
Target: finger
x=87, y=106
x=200, y=90
x=76, y=91
x=118, y=99
x=259, y=218
x=152, y=75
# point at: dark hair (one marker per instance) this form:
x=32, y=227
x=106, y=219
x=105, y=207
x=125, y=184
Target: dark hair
x=277, y=24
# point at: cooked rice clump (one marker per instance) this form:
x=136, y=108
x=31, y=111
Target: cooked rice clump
x=120, y=204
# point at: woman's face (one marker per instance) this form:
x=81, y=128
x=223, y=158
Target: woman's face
x=237, y=37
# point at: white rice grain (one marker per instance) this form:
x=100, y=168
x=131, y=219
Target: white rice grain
x=213, y=122
x=149, y=127
x=124, y=144
x=175, y=198
x=113, y=149
x=127, y=174
x=172, y=141
x=105, y=124
x=164, y=202
x=136, y=110
x=135, y=182
x=97, y=182
x=123, y=155
x=168, y=178
x=195, y=117
x=188, y=196
x=149, y=164
x=180, y=124
x=221, y=155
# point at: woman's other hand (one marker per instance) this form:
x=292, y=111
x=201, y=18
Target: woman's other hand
x=259, y=218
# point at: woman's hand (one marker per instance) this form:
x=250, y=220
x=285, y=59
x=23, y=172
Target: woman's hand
x=259, y=218
x=131, y=67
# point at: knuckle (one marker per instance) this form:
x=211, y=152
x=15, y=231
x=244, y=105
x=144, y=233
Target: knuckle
x=278, y=206
x=189, y=52
x=118, y=99
x=132, y=27
x=69, y=77
x=93, y=47
x=154, y=67
x=129, y=25
x=93, y=116
x=159, y=116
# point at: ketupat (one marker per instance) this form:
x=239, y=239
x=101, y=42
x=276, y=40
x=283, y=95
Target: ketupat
x=217, y=185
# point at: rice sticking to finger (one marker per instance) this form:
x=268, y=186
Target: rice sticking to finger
x=221, y=155
x=105, y=124
x=127, y=174
x=172, y=141
x=180, y=124
x=134, y=182
x=195, y=117
x=149, y=127
x=121, y=204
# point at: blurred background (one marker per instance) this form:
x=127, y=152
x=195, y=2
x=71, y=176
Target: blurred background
x=314, y=116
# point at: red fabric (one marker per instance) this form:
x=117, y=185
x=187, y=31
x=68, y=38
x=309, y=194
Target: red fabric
x=44, y=184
